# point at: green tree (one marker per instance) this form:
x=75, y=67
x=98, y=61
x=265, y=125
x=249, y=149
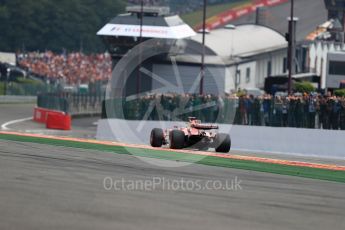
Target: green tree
x=304, y=87
x=340, y=92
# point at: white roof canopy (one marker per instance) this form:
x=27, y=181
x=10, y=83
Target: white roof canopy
x=9, y=58
x=173, y=32
x=242, y=41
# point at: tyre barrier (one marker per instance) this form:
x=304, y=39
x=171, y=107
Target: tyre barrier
x=53, y=119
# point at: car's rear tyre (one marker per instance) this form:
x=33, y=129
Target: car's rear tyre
x=177, y=139
x=222, y=143
x=157, y=138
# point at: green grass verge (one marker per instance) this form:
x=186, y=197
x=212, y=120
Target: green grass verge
x=195, y=18
x=321, y=174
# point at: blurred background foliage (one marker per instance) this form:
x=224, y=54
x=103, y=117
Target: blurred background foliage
x=39, y=25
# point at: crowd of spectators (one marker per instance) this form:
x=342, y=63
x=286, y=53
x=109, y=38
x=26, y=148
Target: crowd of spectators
x=298, y=110
x=73, y=68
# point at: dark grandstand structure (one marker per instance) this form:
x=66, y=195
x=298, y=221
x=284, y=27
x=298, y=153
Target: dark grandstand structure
x=136, y=26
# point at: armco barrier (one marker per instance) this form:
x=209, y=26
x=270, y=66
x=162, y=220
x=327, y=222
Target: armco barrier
x=305, y=142
x=9, y=99
x=58, y=121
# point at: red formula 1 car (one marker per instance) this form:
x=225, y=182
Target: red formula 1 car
x=195, y=135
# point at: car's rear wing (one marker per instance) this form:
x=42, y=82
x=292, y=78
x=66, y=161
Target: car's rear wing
x=204, y=126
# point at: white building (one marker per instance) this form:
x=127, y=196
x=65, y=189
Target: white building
x=244, y=55
x=318, y=59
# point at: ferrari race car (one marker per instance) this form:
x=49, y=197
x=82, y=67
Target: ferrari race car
x=195, y=135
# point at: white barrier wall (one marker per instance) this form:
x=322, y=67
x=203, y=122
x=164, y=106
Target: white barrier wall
x=17, y=99
x=306, y=142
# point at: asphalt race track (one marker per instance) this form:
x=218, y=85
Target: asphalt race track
x=10, y=112
x=45, y=187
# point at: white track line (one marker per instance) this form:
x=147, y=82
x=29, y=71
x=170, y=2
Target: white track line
x=5, y=125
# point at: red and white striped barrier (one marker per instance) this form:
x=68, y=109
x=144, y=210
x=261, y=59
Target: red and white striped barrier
x=232, y=14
